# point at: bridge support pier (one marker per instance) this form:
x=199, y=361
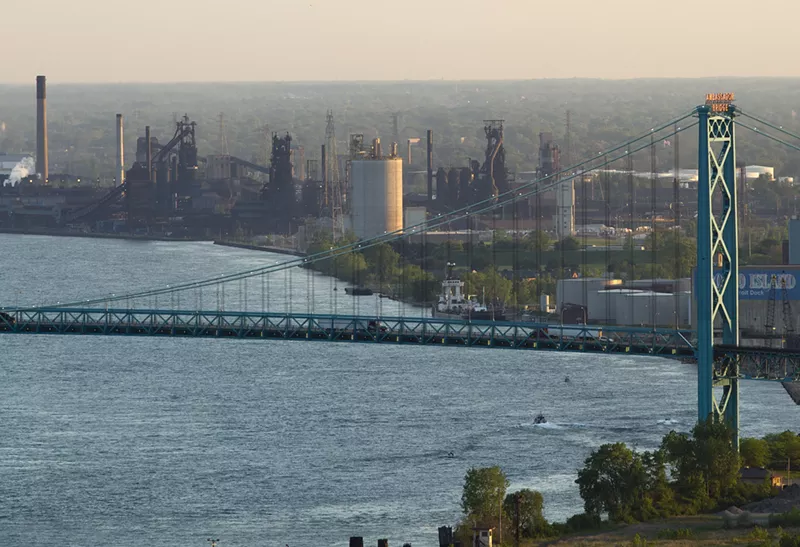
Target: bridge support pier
x=717, y=279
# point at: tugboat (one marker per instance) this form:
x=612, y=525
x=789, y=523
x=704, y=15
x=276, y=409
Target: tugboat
x=540, y=419
x=452, y=303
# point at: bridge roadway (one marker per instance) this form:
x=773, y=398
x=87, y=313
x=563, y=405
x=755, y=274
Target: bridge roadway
x=347, y=328
x=761, y=363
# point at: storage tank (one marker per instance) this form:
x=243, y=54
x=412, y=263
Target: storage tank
x=377, y=196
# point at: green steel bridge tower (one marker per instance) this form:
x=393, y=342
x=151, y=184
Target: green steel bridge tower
x=717, y=291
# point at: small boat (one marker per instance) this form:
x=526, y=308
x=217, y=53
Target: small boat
x=358, y=291
x=566, y=380
x=540, y=419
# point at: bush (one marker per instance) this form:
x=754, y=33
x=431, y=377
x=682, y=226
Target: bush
x=790, y=519
x=758, y=534
x=790, y=540
x=675, y=533
x=582, y=522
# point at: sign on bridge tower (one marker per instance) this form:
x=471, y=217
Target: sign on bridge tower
x=717, y=259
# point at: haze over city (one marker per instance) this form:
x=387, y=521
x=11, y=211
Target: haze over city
x=440, y=273
x=250, y=40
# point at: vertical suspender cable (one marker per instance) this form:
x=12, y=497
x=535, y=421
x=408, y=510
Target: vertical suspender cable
x=676, y=225
x=631, y=211
x=654, y=235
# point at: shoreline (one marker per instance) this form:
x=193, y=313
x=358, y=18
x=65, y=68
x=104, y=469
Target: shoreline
x=251, y=247
x=93, y=235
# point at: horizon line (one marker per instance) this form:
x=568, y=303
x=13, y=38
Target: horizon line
x=406, y=81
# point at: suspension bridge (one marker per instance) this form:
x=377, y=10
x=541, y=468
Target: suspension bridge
x=207, y=308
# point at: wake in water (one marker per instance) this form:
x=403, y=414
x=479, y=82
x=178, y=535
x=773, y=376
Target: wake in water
x=668, y=421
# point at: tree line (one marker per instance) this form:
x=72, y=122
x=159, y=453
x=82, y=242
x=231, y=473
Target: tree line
x=688, y=474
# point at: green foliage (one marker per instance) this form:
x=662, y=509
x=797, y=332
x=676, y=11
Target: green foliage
x=782, y=447
x=490, y=283
x=613, y=481
x=483, y=494
x=790, y=540
x=532, y=523
x=639, y=541
x=675, y=533
x=675, y=253
x=536, y=241
x=583, y=522
x=705, y=466
x=758, y=534
x=569, y=243
x=754, y=452
x=790, y=519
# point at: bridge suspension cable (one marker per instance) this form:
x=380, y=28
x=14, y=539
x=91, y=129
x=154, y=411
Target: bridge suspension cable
x=743, y=114
x=533, y=188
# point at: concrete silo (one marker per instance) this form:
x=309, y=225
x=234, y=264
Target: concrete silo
x=376, y=199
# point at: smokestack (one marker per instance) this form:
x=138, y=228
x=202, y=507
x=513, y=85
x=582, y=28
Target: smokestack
x=120, y=152
x=41, y=129
x=149, y=153
x=430, y=166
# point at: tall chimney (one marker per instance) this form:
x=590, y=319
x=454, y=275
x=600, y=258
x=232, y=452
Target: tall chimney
x=149, y=153
x=430, y=166
x=41, y=129
x=120, y=152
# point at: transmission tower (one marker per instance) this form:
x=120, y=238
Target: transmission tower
x=332, y=176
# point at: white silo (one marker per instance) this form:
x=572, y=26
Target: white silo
x=376, y=198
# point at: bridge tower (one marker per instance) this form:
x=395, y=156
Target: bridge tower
x=717, y=259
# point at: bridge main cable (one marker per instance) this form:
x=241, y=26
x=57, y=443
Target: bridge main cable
x=488, y=204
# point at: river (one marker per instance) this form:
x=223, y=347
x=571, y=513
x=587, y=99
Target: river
x=153, y=441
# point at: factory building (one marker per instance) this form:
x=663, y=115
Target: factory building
x=376, y=200
x=643, y=302
x=756, y=292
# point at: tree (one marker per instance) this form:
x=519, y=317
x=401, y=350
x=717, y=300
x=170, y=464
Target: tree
x=782, y=448
x=489, y=282
x=706, y=465
x=537, y=240
x=612, y=481
x=383, y=261
x=484, y=490
x=531, y=523
x=351, y=267
x=569, y=243
x=676, y=253
x=754, y=452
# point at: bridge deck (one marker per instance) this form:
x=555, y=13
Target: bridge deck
x=343, y=328
x=755, y=363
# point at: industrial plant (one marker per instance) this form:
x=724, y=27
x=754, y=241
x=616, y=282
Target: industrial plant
x=364, y=189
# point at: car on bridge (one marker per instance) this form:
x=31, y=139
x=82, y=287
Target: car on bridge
x=7, y=318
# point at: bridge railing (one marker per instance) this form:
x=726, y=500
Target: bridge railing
x=402, y=330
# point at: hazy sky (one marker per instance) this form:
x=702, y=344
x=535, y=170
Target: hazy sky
x=256, y=40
